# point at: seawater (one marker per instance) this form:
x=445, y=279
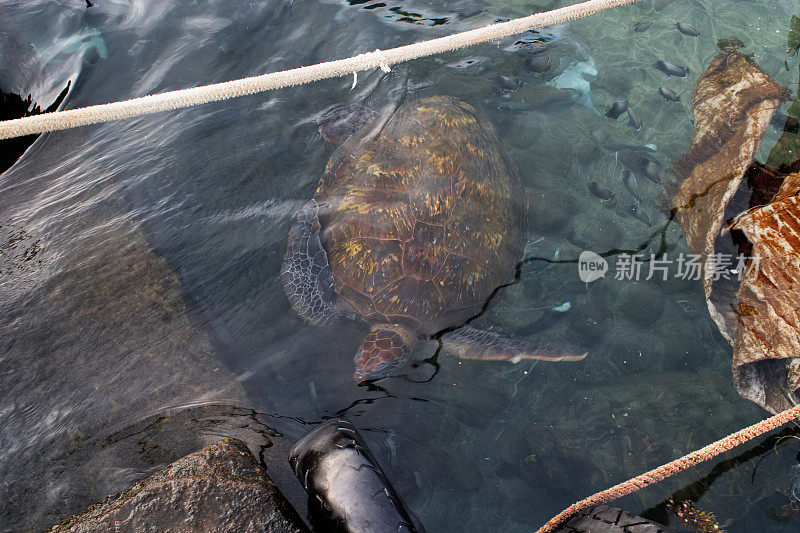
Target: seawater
x=211, y=191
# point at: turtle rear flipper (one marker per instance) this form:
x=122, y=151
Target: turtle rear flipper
x=471, y=343
x=339, y=123
x=307, y=279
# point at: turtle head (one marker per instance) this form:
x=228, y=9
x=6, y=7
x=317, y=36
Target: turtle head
x=385, y=348
x=339, y=123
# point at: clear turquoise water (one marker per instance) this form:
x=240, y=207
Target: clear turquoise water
x=470, y=446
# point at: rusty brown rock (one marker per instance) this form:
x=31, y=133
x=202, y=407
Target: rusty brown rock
x=219, y=488
x=733, y=103
x=768, y=314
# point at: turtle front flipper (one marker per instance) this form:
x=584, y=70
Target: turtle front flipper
x=307, y=279
x=471, y=343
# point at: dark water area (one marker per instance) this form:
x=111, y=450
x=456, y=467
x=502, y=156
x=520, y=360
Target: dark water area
x=142, y=313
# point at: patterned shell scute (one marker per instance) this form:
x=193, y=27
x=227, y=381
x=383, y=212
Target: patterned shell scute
x=423, y=218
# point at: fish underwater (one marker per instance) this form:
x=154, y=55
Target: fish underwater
x=638, y=214
x=507, y=83
x=533, y=42
x=573, y=79
x=650, y=170
x=633, y=120
x=671, y=69
x=538, y=63
x=629, y=181
x=642, y=26
x=668, y=94
x=686, y=29
x=75, y=44
x=687, y=306
x=599, y=191
x=473, y=65
x=617, y=109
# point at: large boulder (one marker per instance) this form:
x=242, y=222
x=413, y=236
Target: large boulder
x=219, y=488
x=755, y=309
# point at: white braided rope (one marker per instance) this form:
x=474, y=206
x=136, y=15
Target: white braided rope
x=222, y=91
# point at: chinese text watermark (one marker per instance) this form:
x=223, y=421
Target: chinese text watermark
x=635, y=267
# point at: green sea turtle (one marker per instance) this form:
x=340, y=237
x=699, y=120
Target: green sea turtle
x=415, y=223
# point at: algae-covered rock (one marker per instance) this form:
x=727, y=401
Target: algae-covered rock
x=793, y=40
x=787, y=150
x=220, y=488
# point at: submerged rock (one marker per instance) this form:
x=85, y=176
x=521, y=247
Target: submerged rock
x=784, y=154
x=95, y=337
x=19, y=251
x=219, y=488
x=793, y=40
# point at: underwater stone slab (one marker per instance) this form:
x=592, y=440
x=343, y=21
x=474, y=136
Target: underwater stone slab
x=100, y=358
x=219, y=488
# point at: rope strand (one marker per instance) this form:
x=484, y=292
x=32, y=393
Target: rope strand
x=222, y=91
x=673, y=467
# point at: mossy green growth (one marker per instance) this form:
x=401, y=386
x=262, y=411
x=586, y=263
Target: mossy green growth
x=729, y=42
x=794, y=34
x=787, y=150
